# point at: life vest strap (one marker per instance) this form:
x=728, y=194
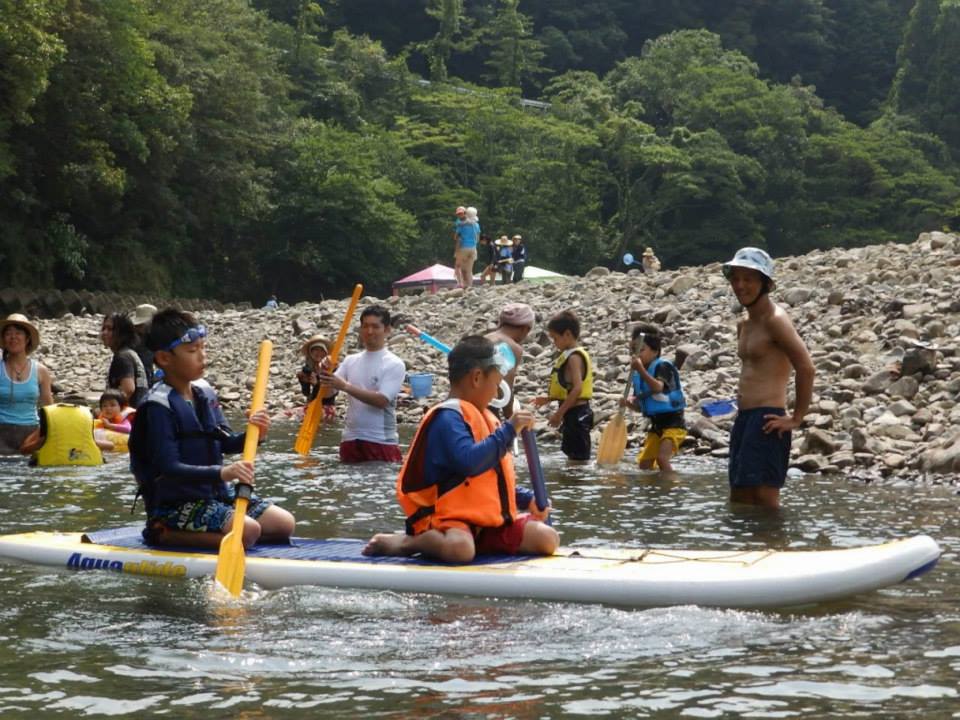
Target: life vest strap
x=419, y=515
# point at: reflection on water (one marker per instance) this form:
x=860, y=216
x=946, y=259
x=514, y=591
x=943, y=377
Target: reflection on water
x=79, y=645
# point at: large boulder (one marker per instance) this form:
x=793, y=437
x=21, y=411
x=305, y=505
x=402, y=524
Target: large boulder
x=942, y=460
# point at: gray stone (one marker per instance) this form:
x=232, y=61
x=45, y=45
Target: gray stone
x=861, y=441
x=920, y=360
x=818, y=442
x=901, y=407
x=906, y=387
x=598, y=271
x=878, y=382
x=942, y=460
x=809, y=463
x=681, y=284
x=855, y=370
x=797, y=295
x=301, y=326
x=894, y=461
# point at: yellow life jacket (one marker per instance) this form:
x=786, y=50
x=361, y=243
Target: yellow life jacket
x=485, y=500
x=558, y=384
x=68, y=433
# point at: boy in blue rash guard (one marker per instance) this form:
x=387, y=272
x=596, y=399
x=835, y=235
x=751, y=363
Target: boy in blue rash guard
x=177, y=445
x=457, y=485
x=658, y=394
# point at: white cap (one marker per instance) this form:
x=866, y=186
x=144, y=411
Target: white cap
x=753, y=258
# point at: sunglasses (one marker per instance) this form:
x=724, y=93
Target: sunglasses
x=191, y=335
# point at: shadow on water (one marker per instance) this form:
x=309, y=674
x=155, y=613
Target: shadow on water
x=95, y=644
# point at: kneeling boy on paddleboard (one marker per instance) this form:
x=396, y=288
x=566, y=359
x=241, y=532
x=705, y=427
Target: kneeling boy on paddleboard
x=457, y=484
x=177, y=445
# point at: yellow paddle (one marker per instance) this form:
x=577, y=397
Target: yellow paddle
x=314, y=412
x=232, y=561
x=613, y=440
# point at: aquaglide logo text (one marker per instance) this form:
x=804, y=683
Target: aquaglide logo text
x=78, y=561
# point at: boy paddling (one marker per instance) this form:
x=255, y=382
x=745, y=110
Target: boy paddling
x=177, y=445
x=457, y=484
x=769, y=348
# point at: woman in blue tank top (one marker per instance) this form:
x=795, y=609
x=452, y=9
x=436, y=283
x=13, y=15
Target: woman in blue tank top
x=24, y=383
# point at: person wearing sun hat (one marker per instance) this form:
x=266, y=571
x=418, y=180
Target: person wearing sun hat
x=650, y=261
x=505, y=259
x=770, y=349
x=315, y=351
x=25, y=383
x=466, y=233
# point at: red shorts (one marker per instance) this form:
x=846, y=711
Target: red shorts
x=357, y=451
x=503, y=539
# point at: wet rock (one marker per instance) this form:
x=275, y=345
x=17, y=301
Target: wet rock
x=817, y=442
x=942, y=460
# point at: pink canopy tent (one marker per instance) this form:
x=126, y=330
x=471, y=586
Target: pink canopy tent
x=429, y=279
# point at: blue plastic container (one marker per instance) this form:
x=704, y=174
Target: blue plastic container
x=421, y=384
x=718, y=407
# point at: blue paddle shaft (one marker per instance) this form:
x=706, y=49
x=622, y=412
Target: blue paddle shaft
x=430, y=340
x=536, y=470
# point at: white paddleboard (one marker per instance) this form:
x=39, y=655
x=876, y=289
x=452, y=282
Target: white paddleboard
x=631, y=577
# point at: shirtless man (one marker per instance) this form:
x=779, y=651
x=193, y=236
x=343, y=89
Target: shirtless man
x=516, y=322
x=769, y=348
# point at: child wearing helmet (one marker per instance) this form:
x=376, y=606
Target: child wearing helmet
x=770, y=349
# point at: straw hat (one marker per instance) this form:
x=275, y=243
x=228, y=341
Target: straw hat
x=143, y=314
x=21, y=322
x=315, y=340
x=648, y=252
x=503, y=240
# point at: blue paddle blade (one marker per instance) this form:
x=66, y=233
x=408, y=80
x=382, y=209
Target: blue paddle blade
x=627, y=259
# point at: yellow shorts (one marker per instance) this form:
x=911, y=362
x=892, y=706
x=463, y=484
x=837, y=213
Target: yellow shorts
x=651, y=444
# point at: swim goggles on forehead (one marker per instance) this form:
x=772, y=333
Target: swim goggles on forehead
x=502, y=359
x=191, y=335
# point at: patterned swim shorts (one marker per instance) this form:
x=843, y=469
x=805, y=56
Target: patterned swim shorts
x=204, y=515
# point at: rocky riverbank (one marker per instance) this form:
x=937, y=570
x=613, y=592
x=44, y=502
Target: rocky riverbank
x=881, y=322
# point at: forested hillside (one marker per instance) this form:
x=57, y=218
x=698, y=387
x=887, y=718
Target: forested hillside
x=234, y=148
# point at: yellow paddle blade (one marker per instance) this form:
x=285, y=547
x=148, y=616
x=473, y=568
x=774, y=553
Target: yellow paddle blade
x=613, y=441
x=314, y=412
x=232, y=560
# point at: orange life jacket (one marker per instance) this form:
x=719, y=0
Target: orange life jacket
x=484, y=500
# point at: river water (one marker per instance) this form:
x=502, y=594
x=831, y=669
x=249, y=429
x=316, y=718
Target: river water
x=102, y=645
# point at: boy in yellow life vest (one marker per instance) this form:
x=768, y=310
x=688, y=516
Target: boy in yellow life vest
x=571, y=383
x=457, y=484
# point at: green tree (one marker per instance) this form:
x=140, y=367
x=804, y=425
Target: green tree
x=339, y=220
x=515, y=55
x=449, y=14
x=28, y=51
x=928, y=65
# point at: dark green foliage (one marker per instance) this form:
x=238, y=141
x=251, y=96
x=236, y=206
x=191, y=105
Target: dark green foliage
x=233, y=149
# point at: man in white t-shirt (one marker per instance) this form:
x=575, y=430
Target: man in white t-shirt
x=372, y=380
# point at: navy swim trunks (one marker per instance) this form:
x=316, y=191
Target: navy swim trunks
x=575, y=432
x=758, y=458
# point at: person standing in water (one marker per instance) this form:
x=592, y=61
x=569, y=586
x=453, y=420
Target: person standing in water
x=770, y=349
